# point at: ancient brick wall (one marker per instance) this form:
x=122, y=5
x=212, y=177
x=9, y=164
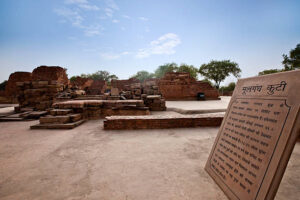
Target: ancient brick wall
x=50, y=73
x=181, y=86
x=39, y=88
x=123, y=84
x=11, y=87
x=81, y=83
x=91, y=87
x=97, y=87
x=162, y=121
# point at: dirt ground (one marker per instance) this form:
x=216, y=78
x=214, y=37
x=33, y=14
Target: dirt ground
x=90, y=163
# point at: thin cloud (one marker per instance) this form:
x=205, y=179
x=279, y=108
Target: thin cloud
x=143, y=18
x=112, y=4
x=76, y=1
x=115, y=21
x=88, y=7
x=92, y=30
x=72, y=16
x=83, y=4
x=126, y=17
x=109, y=12
x=163, y=45
x=113, y=56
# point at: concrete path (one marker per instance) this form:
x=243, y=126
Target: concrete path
x=197, y=107
x=90, y=163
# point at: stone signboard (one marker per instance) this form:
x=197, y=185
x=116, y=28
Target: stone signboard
x=257, y=136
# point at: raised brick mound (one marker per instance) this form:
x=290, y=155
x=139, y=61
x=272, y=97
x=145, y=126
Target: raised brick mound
x=123, y=85
x=95, y=109
x=11, y=86
x=59, y=119
x=162, y=121
x=39, y=95
x=155, y=102
x=50, y=73
x=91, y=87
x=97, y=87
x=181, y=86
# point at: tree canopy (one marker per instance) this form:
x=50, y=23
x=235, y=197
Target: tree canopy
x=269, y=71
x=219, y=70
x=99, y=75
x=292, y=61
x=173, y=67
x=229, y=88
x=162, y=69
x=143, y=75
x=188, y=68
x=3, y=84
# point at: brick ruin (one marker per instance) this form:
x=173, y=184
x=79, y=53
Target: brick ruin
x=91, y=87
x=123, y=85
x=173, y=86
x=47, y=94
x=181, y=86
x=40, y=92
x=162, y=121
x=11, y=92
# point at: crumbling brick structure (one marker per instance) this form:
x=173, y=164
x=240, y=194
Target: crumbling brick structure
x=11, y=86
x=123, y=85
x=50, y=73
x=97, y=87
x=46, y=83
x=181, y=86
x=91, y=87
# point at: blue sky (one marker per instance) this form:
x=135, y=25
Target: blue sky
x=126, y=36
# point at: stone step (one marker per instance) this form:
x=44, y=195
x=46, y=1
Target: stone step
x=162, y=121
x=60, y=119
x=58, y=126
x=33, y=114
x=60, y=112
x=11, y=119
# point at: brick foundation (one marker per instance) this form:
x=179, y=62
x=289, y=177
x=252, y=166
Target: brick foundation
x=162, y=122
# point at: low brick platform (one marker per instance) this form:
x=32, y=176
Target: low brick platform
x=162, y=121
x=96, y=109
x=97, y=103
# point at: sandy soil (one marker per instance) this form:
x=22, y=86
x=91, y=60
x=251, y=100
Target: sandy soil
x=90, y=163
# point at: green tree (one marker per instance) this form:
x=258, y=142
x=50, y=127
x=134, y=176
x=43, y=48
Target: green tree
x=3, y=84
x=100, y=75
x=162, y=69
x=292, y=61
x=188, y=68
x=219, y=70
x=143, y=75
x=269, y=71
x=73, y=78
x=229, y=88
x=208, y=81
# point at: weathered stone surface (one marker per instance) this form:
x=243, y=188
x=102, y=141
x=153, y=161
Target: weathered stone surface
x=161, y=121
x=181, y=86
x=58, y=126
x=49, y=119
x=60, y=111
x=257, y=136
x=114, y=91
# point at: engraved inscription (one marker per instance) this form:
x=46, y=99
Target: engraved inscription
x=246, y=143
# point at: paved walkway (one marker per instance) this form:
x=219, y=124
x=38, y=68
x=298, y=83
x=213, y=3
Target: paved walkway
x=196, y=107
x=90, y=163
